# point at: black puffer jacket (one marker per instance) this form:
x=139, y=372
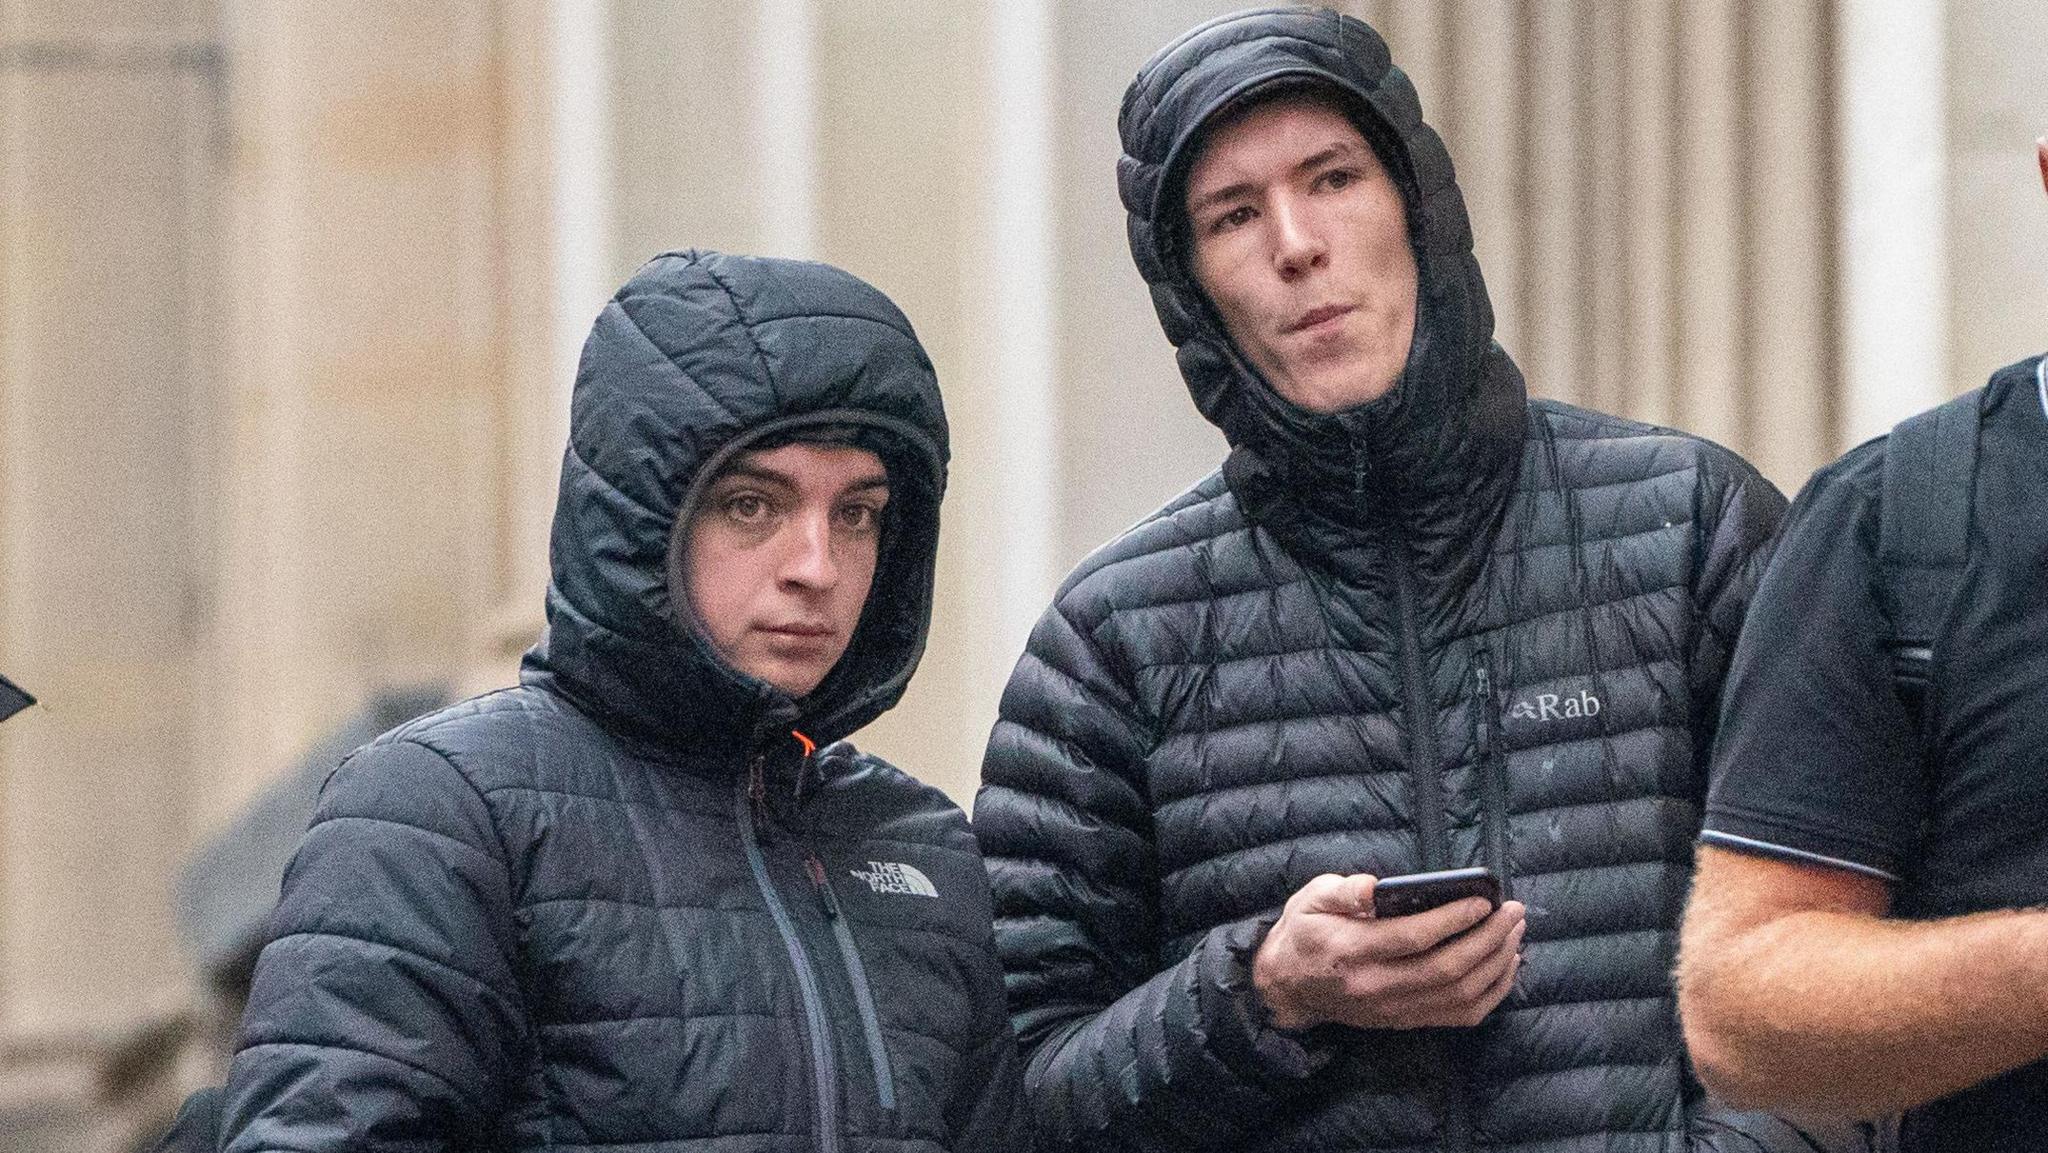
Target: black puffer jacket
x=1447, y=628
x=618, y=907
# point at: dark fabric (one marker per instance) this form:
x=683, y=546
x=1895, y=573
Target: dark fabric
x=533, y=920
x=197, y=1126
x=1451, y=627
x=12, y=699
x=1819, y=757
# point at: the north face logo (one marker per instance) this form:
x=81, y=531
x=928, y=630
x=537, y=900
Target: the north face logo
x=1551, y=707
x=890, y=877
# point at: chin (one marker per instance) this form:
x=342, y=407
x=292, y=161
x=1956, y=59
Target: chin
x=1334, y=388
x=799, y=684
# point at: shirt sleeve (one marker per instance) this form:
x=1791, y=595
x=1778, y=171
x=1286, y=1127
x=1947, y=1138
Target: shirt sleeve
x=1816, y=759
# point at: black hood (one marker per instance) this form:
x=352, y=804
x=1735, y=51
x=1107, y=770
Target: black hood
x=696, y=358
x=1436, y=450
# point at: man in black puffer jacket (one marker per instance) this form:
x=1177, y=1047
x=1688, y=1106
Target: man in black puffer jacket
x=1416, y=622
x=644, y=900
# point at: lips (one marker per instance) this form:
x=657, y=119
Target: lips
x=802, y=630
x=1316, y=316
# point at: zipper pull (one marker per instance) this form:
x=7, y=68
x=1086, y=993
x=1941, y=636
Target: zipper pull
x=803, y=768
x=827, y=900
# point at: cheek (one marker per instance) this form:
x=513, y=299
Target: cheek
x=716, y=579
x=1226, y=275
x=857, y=575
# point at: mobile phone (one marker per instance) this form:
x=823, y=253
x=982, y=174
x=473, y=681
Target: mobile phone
x=1420, y=892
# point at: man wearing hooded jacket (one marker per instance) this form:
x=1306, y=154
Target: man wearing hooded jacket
x=648, y=899
x=1417, y=621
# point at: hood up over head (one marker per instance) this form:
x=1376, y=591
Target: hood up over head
x=699, y=357
x=1432, y=453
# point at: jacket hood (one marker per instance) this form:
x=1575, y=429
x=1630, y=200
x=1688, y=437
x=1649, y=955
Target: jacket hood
x=698, y=357
x=1453, y=422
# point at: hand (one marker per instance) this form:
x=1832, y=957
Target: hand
x=1329, y=959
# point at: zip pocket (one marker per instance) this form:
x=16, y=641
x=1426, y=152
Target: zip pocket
x=1492, y=770
x=857, y=976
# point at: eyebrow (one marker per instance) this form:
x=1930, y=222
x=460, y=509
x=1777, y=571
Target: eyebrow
x=1229, y=192
x=761, y=475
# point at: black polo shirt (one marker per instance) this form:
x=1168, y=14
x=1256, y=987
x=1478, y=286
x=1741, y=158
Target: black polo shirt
x=1817, y=760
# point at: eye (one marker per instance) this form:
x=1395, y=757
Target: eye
x=1237, y=217
x=746, y=508
x=1338, y=179
x=860, y=517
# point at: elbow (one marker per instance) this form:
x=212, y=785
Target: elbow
x=1729, y=1064
x=1721, y=1071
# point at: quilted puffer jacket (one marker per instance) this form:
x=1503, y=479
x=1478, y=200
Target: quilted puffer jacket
x=1450, y=627
x=621, y=906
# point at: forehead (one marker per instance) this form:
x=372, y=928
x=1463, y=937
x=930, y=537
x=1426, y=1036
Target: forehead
x=806, y=465
x=1277, y=132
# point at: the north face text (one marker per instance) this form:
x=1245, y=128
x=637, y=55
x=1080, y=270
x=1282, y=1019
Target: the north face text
x=890, y=877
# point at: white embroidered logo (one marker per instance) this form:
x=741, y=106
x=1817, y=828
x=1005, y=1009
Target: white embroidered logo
x=1551, y=707
x=891, y=877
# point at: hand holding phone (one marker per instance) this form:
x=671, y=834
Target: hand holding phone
x=1341, y=953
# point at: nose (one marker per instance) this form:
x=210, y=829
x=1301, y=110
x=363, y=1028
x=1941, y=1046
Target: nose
x=1298, y=244
x=808, y=561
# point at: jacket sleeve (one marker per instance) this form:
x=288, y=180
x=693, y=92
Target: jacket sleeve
x=1739, y=516
x=1716, y=1128
x=1119, y=1055
x=384, y=1010
x=989, y=1114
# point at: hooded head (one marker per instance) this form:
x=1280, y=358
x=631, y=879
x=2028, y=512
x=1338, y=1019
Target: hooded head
x=700, y=361
x=1446, y=400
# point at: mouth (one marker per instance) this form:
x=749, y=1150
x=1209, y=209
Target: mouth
x=800, y=630
x=1316, y=317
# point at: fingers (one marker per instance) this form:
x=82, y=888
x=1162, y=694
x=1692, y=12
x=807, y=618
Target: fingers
x=1478, y=1006
x=1329, y=959
x=1499, y=934
x=1336, y=895
x=1420, y=932
x=1456, y=983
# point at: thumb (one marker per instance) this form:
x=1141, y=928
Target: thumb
x=1343, y=896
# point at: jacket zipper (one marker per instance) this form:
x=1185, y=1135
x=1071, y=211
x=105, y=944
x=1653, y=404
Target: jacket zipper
x=857, y=976
x=825, y=1072
x=1429, y=787
x=1493, y=783
x=1422, y=751
x=1429, y=791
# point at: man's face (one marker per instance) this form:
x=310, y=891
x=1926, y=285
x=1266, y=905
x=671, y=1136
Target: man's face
x=1300, y=238
x=781, y=551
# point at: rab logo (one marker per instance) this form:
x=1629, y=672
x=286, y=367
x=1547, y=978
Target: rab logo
x=1551, y=707
x=890, y=877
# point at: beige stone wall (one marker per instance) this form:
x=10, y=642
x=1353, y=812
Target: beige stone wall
x=1997, y=107
x=272, y=304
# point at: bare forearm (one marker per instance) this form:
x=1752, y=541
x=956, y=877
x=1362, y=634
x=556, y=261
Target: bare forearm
x=1852, y=1014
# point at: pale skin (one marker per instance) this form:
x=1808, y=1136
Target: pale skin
x=1300, y=240
x=779, y=556
x=1799, y=994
